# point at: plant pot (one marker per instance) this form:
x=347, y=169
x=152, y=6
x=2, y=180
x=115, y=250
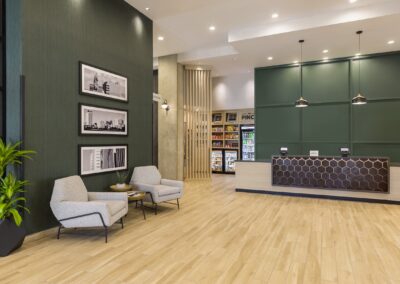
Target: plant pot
x=11, y=237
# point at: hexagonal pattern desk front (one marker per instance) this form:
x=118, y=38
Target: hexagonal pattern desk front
x=370, y=174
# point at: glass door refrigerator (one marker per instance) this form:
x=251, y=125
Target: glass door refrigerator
x=217, y=161
x=230, y=157
x=247, y=135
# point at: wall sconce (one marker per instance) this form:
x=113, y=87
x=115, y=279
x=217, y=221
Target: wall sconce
x=345, y=152
x=165, y=105
x=283, y=151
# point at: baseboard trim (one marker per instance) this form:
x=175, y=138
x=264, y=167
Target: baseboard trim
x=319, y=196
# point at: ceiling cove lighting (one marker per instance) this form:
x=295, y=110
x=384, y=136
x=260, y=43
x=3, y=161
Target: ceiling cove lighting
x=359, y=99
x=275, y=16
x=391, y=42
x=212, y=28
x=160, y=38
x=301, y=102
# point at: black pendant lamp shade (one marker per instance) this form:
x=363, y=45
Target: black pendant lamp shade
x=359, y=99
x=301, y=102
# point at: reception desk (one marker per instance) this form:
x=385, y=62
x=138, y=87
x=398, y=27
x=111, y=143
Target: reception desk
x=356, y=178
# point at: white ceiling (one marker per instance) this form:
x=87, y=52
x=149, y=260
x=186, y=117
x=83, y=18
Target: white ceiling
x=246, y=34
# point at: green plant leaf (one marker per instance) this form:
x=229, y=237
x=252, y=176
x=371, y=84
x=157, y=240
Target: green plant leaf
x=17, y=217
x=12, y=189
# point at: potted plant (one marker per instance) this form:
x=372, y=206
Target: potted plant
x=12, y=234
x=121, y=179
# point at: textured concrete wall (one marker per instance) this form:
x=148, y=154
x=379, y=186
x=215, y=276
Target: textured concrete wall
x=170, y=124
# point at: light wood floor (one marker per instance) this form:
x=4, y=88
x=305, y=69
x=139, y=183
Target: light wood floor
x=220, y=236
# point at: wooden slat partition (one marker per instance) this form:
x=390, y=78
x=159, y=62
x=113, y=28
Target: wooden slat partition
x=197, y=122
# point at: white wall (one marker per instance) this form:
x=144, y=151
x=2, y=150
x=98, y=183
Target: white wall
x=233, y=92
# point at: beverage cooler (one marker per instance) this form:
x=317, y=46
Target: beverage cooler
x=230, y=157
x=247, y=136
x=223, y=161
x=217, y=161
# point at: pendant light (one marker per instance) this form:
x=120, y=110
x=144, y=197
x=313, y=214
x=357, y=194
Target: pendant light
x=359, y=99
x=301, y=102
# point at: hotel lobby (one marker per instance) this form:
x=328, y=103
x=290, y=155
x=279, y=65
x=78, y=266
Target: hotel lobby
x=153, y=141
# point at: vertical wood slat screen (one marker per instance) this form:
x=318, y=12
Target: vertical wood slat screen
x=197, y=122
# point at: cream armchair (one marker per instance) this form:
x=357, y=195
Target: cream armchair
x=159, y=190
x=75, y=207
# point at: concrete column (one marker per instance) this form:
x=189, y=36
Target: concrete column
x=170, y=123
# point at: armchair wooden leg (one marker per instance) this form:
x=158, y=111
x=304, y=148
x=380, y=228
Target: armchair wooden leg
x=122, y=223
x=155, y=208
x=177, y=202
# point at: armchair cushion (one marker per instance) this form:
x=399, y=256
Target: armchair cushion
x=146, y=188
x=69, y=189
x=163, y=190
x=168, y=182
x=114, y=206
x=146, y=175
x=68, y=209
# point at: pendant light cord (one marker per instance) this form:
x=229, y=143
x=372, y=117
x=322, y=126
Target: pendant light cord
x=301, y=68
x=359, y=61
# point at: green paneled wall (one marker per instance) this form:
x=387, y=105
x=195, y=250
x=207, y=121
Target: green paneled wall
x=331, y=121
x=56, y=35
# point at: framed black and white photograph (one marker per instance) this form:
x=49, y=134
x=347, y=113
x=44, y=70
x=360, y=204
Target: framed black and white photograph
x=96, y=120
x=96, y=159
x=99, y=82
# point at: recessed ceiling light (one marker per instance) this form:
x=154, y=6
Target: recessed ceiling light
x=352, y=1
x=358, y=54
x=325, y=51
x=391, y=42
x=160, y=38
x=270, y=58
x=212, y=28
x=296, y=62
x=147, y=8
x=275, y=15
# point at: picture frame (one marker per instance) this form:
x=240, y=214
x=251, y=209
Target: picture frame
x=231, y=117
x=217, y=118
x=97, y=81
x=99, y=159
x=97, y=120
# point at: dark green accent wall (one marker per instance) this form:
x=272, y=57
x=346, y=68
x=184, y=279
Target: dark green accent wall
x=56, y=34
x=13, y=70
x=331, y=121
